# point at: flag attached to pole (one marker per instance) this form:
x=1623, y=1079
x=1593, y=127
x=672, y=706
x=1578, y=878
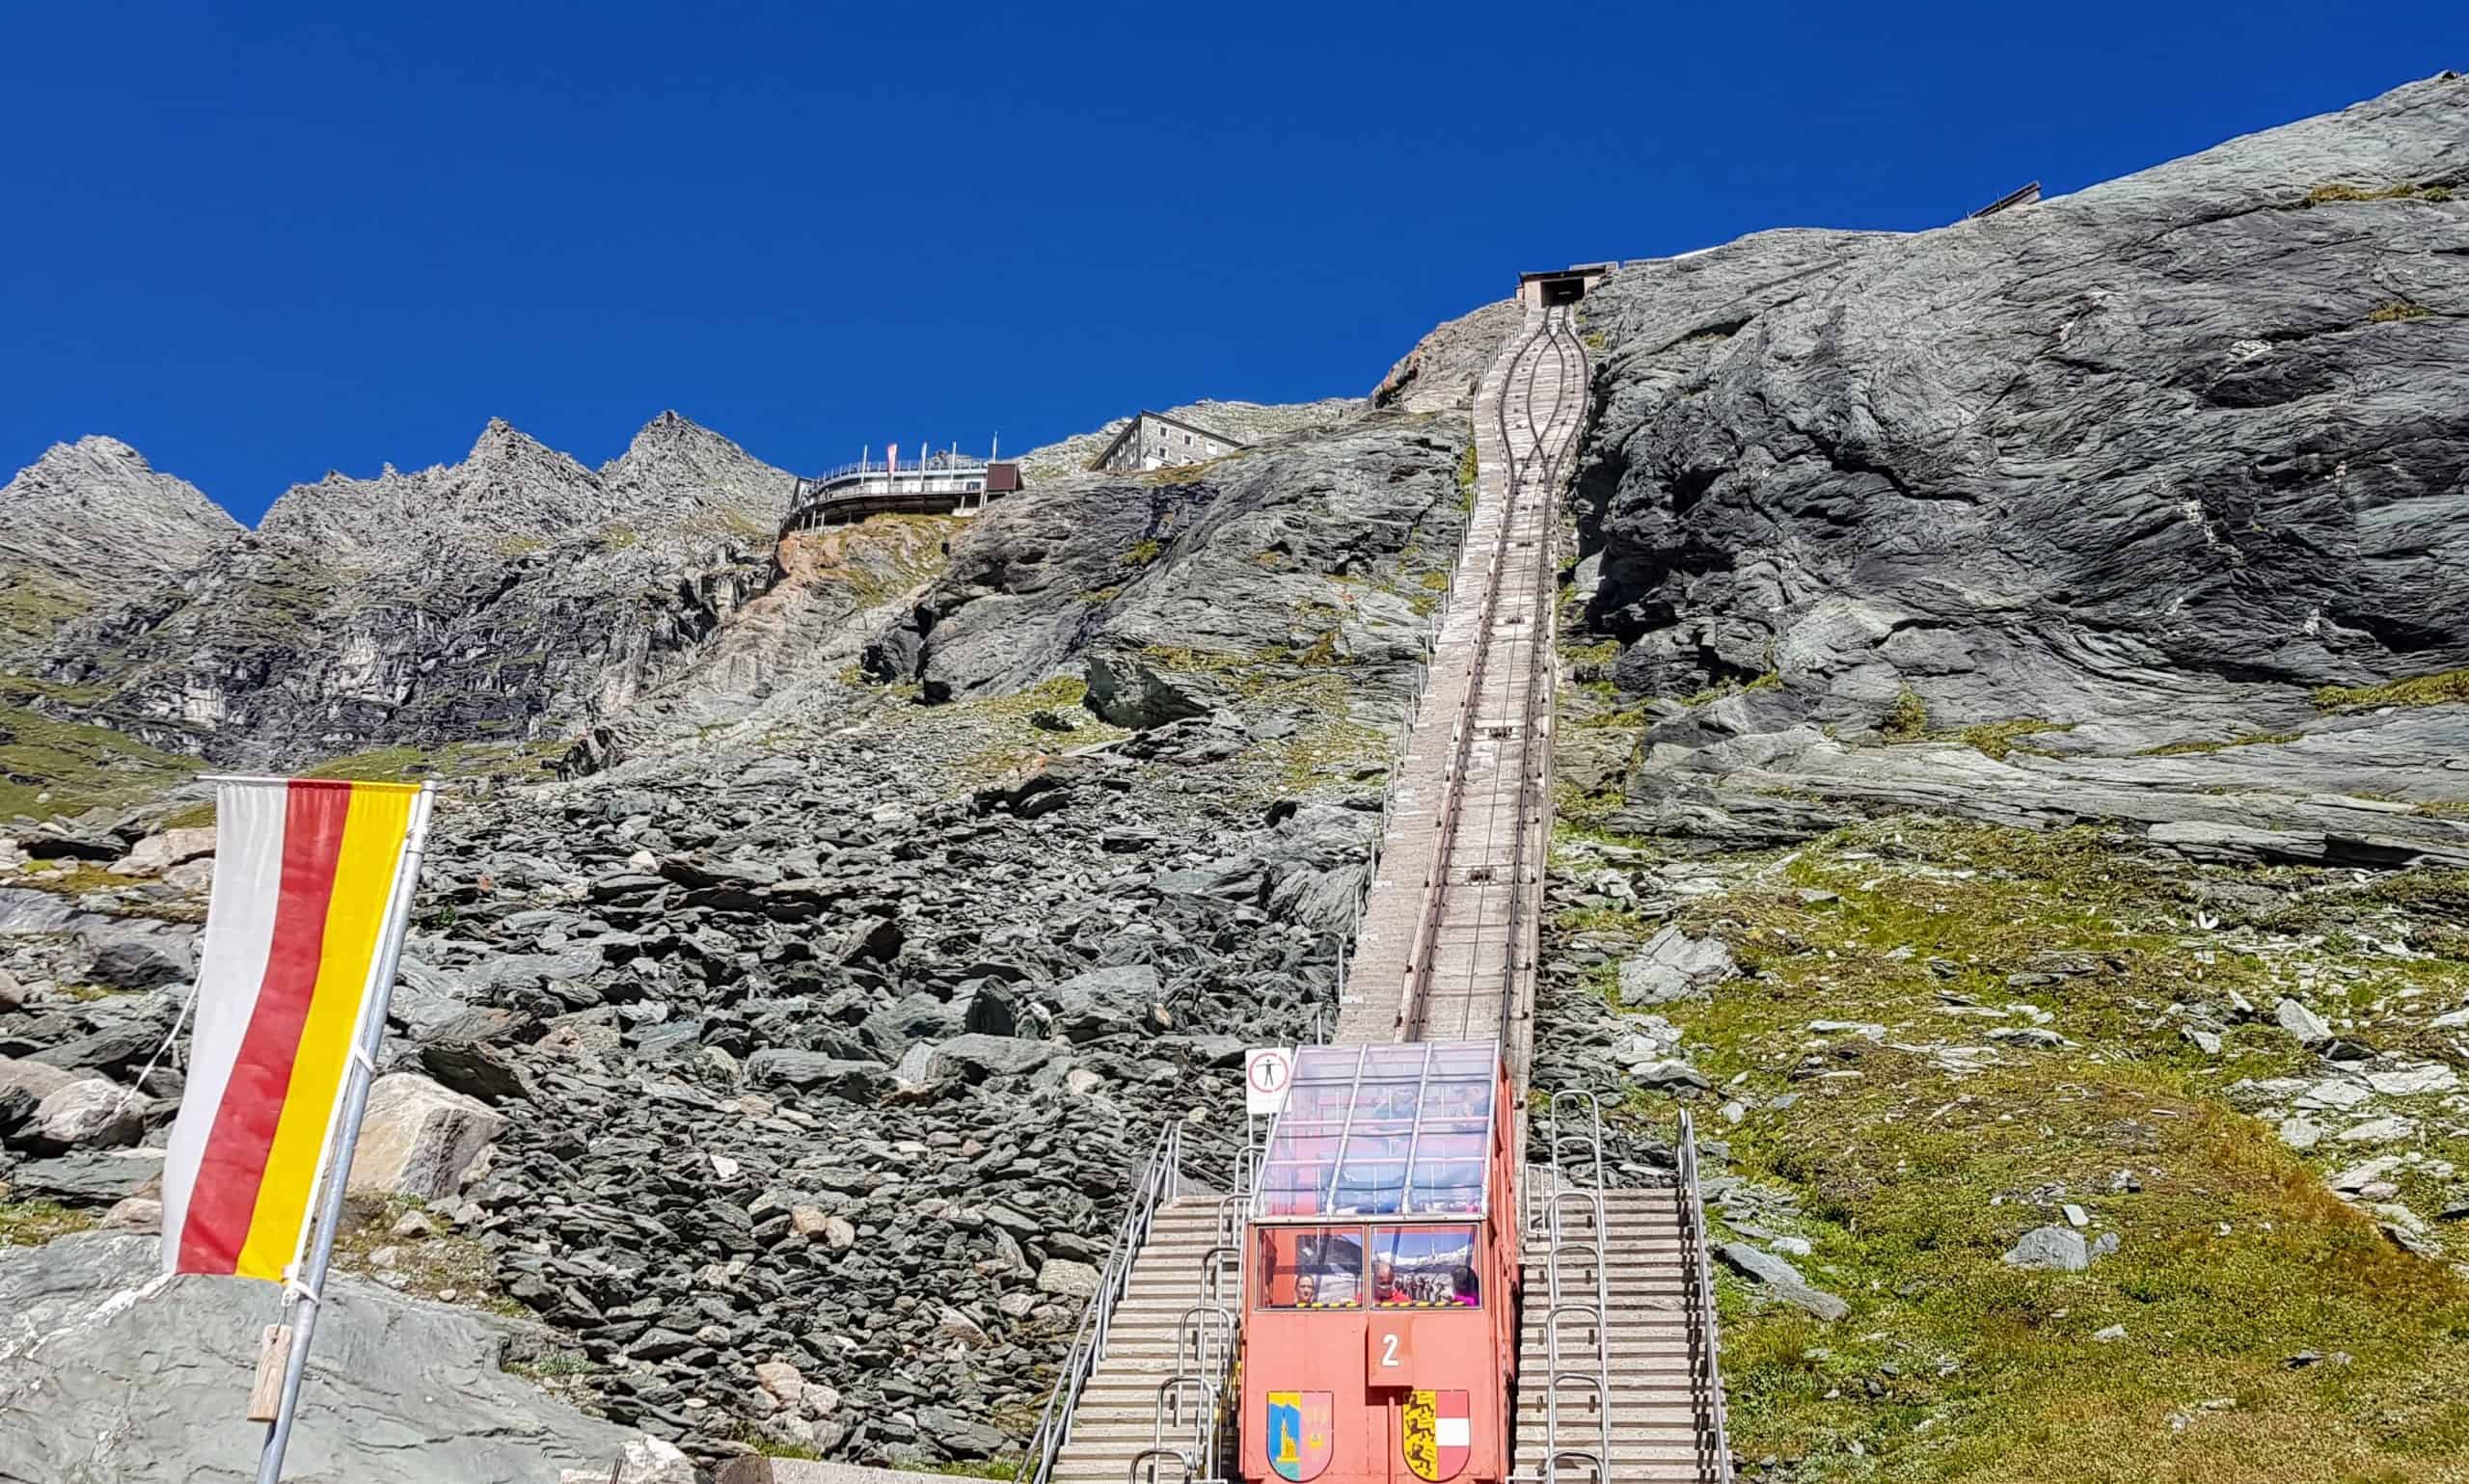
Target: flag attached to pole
x=307, y=895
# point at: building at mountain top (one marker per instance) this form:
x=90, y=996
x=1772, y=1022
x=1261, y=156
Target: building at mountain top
x=937, y=482
x=1154, y=441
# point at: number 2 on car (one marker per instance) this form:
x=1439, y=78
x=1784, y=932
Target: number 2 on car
x=1388, y=1352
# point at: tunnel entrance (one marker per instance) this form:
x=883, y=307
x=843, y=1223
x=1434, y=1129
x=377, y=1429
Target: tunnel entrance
x=1560, y=285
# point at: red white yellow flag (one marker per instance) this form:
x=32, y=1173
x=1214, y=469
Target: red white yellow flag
x=306, y=877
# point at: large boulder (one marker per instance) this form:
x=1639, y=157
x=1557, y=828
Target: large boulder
x=398, y=1391
x=88, y=1177
x=1673, y=965
x=40, y=1078
x=419, y=1138
x=159, y=852
x=1134, y=690
x=975, y=1058
x=89, y=1112
x=140, y=962
x=1103, y=1001
x=855, y=1080
x=1781, y=1280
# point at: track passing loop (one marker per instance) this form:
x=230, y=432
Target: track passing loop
x=1449, y=941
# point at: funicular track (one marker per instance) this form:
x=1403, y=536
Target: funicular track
x=1617, y=1380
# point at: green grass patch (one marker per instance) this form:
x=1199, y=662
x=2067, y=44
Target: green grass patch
x=1771, y=680
x=1998, y=739
x=33, y=1223
x=2249, y=740
x=34, y=603
x=2436, y=690
x=1911, y=1176
x=2394, y=310
x=78, y=765
x=2339, y=194
x=1328, y=751
x=1907, y=720
x=431, y=1266
x=1143, y=552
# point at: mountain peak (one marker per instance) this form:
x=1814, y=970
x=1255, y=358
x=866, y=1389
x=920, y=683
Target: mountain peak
x=676, y=462
x=94, y=518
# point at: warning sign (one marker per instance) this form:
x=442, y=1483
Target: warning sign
x=1267, y=1072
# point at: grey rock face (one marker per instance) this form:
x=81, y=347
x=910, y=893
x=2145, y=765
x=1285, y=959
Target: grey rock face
x=2177, y=445
x=2302, y=1023
x=1441, y=373
x=419, y=1138
x=1246, y=423
x=1781, y=1280
x=2050, y=1249
x=1673, y=964
x=486, y=599
x=91, y=522
x=1294, y=549
x=82, y=1395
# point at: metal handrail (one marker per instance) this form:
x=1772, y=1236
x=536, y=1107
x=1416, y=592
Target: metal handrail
x=1169, y=1413
x=1706, y=1372
x=1210, y=1330
x=933, y=464
x=1214, y=1264
x=1161, y=1180
x=1598, y=1382
x=1146, y=1456
x=1547, y=1219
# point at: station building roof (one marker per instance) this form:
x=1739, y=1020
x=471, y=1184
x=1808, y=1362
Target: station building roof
x=1395, y=1128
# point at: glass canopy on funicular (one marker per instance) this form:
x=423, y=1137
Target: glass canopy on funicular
x=1394, y=1129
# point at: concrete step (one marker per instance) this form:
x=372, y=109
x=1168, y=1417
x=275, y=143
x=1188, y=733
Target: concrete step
x=1680, y=1411
x=1623, y=1347
x=1623, y=1455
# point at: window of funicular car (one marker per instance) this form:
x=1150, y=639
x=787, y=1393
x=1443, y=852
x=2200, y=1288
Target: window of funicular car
x=1401, y=1129
x=1310, y=1267
x=1424, y=1267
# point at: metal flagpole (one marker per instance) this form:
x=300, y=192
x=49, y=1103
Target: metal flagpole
x=308, y=1291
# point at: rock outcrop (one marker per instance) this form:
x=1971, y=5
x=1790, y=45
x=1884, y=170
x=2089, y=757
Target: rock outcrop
x=1246, y=423
x=399, y=1392
x=2177, y=448
x=91, y=522
x=1322, y=548
x=1440, y=373
x=496, y=600
x=2033, y=496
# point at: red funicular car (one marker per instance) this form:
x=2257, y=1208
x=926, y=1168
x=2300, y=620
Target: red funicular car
x=1379, y=1323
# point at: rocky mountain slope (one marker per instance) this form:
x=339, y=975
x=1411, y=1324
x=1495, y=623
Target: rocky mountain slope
x=820, y=1027
x=2149, y=466
x=90, y=524
x=1246, y=423
x=501, y=599
x=2011, y=788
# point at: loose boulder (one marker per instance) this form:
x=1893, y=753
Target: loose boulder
x=1673, y=965
x=89, y=1113
x=419, y=1138
x=157, y=853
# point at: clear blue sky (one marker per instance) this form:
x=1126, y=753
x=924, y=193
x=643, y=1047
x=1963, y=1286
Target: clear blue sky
x=260, y=241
